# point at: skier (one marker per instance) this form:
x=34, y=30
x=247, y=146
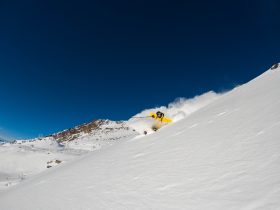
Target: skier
x=159, y=120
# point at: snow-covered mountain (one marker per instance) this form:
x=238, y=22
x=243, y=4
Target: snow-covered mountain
x=223, y=155
x=93, y=135
x=2, y=141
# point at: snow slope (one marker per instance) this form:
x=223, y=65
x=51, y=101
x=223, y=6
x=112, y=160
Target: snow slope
x=22, y=159
x=223, y=156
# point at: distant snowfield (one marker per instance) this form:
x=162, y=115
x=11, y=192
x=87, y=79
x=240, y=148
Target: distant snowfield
x=19, y=161
x=223, y=154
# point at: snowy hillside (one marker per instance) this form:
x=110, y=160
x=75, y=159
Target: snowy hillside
x=22, y=159
x=19, y=160
x=223, y=155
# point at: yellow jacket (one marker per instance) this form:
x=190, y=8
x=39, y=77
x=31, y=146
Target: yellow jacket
x=162, y=119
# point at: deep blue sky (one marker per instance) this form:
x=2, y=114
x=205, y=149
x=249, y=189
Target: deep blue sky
x=64, y=63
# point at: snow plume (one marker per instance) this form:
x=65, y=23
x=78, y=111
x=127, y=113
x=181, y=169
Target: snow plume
x=177, y=110
x=183, y=107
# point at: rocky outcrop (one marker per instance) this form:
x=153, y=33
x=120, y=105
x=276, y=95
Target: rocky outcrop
x=275, y=66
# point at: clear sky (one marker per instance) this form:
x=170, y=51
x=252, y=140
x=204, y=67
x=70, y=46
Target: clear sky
x=63, y=63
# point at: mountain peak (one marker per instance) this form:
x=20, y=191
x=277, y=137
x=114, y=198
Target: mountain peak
x=2, y=141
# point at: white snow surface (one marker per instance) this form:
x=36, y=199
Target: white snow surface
x=22, y=159
x=225, y=155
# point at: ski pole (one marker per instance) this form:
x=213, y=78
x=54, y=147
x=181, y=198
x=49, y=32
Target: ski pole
x=141, y=117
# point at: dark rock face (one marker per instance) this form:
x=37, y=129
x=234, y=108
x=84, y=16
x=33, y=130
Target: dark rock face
x=275, y=66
